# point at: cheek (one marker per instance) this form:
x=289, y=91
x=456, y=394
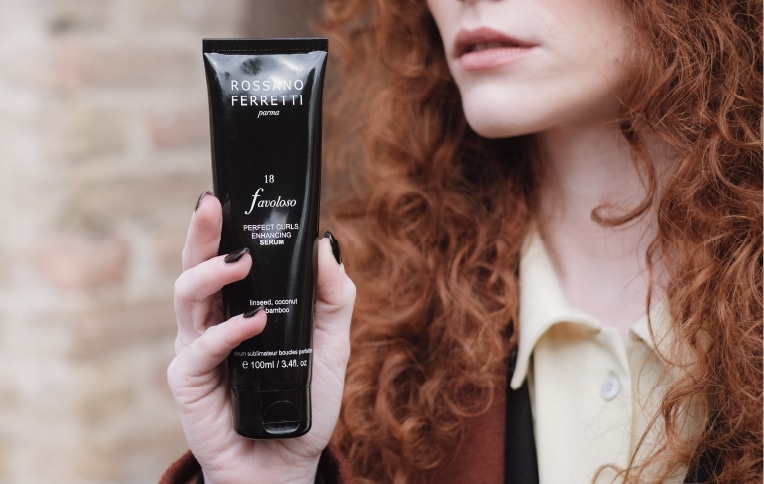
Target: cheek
x=447, y=16
x=439, y=12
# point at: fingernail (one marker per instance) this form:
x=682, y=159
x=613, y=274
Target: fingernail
x=199, y=200
x=253, y=312
x=235, y=256
x=335, y=246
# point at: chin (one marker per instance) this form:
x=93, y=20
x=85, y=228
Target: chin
x=494, y=127
x=492, y=119
x=489, y=132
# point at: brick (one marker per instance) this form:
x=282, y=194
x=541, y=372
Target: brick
x=82, y=262
x=80, y=15
x=168, y=247
x=295, y=18
x=179, y=128
x=26, y=64
x=6, y=449
x=85, y=131
x=151, y=199
x=105, y=140
x=92, y=62
x=175, y=12
x=106, y=328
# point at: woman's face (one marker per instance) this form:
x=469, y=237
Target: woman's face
x=527, y=66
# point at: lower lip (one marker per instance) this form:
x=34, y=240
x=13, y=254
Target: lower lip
x=492, y=58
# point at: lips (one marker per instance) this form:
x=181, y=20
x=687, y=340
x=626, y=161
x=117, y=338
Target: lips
x=486, y=48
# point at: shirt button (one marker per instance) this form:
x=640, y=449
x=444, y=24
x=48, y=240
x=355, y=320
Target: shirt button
x=610, y=389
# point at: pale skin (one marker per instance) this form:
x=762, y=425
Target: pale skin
x=566, y=95
x=602, y=270
x=196, y=375
x=556, y=69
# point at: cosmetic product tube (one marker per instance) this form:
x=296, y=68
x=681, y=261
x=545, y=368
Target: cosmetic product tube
x=265, y=98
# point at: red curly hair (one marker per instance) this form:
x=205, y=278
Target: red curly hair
x=432, y=220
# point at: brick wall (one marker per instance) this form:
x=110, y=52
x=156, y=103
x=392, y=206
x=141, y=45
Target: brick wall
x=104, y=147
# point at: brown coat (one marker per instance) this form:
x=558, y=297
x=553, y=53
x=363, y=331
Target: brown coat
x=332, y=468
x=480, y=458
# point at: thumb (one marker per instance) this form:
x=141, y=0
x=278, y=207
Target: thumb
x=335, y=292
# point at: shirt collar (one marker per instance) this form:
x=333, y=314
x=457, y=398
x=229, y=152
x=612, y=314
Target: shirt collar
x=656, y=331
x=543, y=304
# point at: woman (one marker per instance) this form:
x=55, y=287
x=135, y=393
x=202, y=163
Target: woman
x=571, y=189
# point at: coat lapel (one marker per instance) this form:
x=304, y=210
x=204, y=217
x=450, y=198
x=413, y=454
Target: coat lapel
x=520, y=465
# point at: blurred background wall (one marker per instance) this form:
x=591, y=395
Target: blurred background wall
x=104, y=148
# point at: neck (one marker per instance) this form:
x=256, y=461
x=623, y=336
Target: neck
x=602, y=269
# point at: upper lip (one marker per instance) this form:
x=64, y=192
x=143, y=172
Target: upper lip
x=467, y=40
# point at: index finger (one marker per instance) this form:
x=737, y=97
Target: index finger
x=203, y=239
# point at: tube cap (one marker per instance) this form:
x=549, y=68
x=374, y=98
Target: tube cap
x=279, y=414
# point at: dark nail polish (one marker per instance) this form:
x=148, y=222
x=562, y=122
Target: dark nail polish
x=335, y=246
x=253, y=312
x=235, y=256
x=199, y=200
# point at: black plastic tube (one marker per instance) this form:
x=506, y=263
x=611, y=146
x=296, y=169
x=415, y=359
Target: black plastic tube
x=265, y=98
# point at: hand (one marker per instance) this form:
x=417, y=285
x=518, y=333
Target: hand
x=197, y=378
